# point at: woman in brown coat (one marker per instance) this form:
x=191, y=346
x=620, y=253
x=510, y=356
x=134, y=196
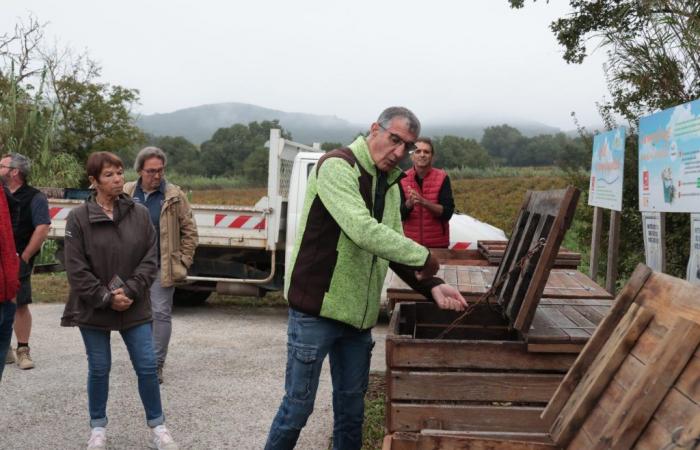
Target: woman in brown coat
x=110, y=259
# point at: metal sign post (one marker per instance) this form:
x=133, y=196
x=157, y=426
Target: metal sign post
x=654, y=240
x=694, y=260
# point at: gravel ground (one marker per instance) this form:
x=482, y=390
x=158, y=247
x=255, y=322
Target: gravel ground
x=223, y=383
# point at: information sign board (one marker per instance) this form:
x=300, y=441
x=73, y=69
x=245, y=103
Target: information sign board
x=606, y=170
x=669, y=160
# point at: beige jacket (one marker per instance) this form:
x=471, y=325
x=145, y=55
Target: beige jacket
x=178, y=234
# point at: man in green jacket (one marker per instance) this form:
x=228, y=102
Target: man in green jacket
x=350, y=233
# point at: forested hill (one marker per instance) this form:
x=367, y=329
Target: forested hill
x=199, y=123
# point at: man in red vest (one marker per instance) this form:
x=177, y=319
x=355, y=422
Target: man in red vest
x=426, y=199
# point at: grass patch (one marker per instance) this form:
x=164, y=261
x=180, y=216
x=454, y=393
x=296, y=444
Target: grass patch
x=497, y=200
x=505, y=172
x=53, y=288
x=50, y=287
x=373, y=426
x=271, y=299
x=238, y=197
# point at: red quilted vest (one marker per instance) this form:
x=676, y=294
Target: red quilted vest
x=421, y=225
x=9, y=262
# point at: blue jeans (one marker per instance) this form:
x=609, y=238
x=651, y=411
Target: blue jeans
x=309, y=340
x=7, y=318
x=162, y=308
x=139, y=343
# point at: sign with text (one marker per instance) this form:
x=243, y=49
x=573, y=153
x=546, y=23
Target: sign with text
x=653, y=240
x=669, y=160
x=694, y=260
x=606, y=170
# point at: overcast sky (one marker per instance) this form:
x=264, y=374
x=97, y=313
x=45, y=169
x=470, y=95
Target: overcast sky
x=445, y=60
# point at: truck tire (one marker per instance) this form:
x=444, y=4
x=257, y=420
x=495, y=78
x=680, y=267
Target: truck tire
x=184, y=297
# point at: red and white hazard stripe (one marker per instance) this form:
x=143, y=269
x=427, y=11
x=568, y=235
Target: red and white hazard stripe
x=59, y=213
x=245, y=222
x=460, y=245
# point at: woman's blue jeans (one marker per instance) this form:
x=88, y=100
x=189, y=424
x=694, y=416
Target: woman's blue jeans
x=139, y=343
x=7, y=318
x=309, y=340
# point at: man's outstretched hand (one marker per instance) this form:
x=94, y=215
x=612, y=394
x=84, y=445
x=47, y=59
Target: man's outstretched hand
x=448, y=297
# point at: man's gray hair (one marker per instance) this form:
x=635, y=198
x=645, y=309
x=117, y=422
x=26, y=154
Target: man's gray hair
x=399, y=111
x=20, y=162
x=147, y=153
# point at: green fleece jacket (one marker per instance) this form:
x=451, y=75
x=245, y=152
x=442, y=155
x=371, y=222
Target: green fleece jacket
x=342, y=251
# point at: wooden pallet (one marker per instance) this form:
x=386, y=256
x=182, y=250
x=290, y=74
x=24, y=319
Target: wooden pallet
x=493, y=251
x=635, y=384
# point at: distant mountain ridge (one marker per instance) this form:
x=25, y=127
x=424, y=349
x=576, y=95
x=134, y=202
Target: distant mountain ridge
x=199, y=123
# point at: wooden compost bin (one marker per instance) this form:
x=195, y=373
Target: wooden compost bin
x=482, y=376
x=498, y=368
x=636, y=384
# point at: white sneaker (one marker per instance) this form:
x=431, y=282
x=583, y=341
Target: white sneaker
x=98, y=439
x=161, y=439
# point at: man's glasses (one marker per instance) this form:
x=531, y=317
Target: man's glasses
x=154, y=171
x=396, y=139
x=3, y=166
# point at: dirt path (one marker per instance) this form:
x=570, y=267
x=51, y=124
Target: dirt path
x=224, y=381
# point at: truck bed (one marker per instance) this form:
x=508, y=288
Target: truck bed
x=218, y=226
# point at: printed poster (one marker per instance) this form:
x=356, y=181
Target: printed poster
x=669, y=160
x=694, y=260
x=653, y=226
x=606, y=170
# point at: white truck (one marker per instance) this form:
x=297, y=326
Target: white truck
x=243, y=250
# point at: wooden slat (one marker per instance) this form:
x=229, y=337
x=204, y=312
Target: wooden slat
x=686, y=436
x=579, y=319
x=554, y=348
x=581, y=441
x=601, y=372
x=676, y=409
x=688, y=383
x=654, y=437
x=513, y=270
x=498, y=435
x=589, y=313
x=515, y=236
x=527, y=277
x=471, y=355
x=647, y=393
x=597, y=341
x=414, y=417
x=572, y=284
x=403, y=441
x=567, y=325
x=444, y=440
x=473, y=386
x=544, y=330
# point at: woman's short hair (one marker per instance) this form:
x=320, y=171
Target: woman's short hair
x=147, y=153
x=98, y=160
